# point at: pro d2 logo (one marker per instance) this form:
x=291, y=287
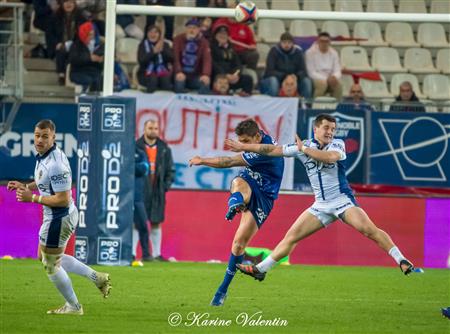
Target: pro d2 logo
x=109, y=250
x=84, y=117
x=113, y=117
x=81, y=249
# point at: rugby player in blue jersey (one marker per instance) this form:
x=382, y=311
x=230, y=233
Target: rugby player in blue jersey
x=323, y=158
x=253, y=193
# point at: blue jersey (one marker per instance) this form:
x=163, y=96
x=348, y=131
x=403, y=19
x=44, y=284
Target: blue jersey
x=266, y=172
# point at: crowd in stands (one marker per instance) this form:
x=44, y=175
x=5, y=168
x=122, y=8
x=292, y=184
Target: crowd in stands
x=211, y=56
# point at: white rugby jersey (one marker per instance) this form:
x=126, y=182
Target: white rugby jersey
x=52, y=174
x=328, y=181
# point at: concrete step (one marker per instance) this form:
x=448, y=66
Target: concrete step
x=46, y=91
x=39, y=64
x=40, y=78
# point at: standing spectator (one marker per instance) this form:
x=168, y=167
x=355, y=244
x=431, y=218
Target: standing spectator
x=158, y=182
x=289, y=86
x=126, y=22
x=407, y=100
x=61, y=32
x=155, y=57
x=86, y=58
x=286, y=59
x=43, y=9
x=192, y=59
x=355, y=101
x=226, y=61
x=168, y=20
x=324, y=68
x=221, y=86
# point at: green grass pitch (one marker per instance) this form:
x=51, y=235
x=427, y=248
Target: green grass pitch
x=306, y=299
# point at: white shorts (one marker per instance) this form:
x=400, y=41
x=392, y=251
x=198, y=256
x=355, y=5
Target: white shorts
x=328, y=212
x=56, y=232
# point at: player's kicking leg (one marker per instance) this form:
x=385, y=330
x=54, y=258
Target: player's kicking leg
x=358, y=219
x=305, y=225
x=239, y=197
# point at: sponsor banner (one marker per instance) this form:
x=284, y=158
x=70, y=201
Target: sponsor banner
x=17, y=153
x=105, y=184
x=410, y=149
x=199, y=124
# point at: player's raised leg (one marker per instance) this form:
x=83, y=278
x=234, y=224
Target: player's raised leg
x=358, y=219
x=239, y=197
x=305, y=225
x=246, y=230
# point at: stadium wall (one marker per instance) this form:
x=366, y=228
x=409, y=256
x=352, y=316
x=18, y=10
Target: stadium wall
x=195, y=229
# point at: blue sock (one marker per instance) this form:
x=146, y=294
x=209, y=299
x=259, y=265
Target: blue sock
x=231, y=270
x=235, y=198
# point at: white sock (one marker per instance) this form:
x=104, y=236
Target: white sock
x=266, y=265
x=155, y=238
x=396, y=254
x=135, y=238
x=63, y=283
x=72, y=265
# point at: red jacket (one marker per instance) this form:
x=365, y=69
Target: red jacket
x=203, y=63
x=238, y=31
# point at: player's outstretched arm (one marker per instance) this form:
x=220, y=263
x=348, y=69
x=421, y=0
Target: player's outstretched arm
x=14, y=185
x=218, y=162
x=327, y=157
x=264, y=149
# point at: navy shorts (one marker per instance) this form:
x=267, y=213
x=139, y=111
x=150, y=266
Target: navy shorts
x=260, y=204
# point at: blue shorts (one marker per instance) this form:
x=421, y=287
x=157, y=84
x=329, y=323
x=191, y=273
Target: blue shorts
x=260, y=204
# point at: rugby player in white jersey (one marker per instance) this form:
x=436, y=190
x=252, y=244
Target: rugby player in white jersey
x=53, y=179
x=322, y=157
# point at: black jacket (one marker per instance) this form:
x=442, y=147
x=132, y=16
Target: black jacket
x=155, y=194
x=80, y=59
x=413, y=105
x=144, y=58
x=224, y=59
x=281, y=63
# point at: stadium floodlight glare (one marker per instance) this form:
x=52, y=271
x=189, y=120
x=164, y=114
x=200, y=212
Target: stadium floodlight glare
x=112, y=9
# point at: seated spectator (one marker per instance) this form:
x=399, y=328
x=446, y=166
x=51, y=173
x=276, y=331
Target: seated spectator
x=127, y=21
x=289, y=86
x=86, y=58
x=407, y=100
x=60, y=34
x=324, y=68
x=226, y=61
x=242, y=38
x=221, y=86
x=155, y=57
x=286, y=59
x=192, y=60
x=355, y=100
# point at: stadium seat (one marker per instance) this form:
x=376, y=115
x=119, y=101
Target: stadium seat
x=371, y=32
x=400, y=34
x=346, y=82
x=377, y=6
x=270, y=30
x=185, y=3
x=355, y=58
x=398, y=79
x=430, y=106
x=261, y=4
x=386, y=60
x=300, y=28
x=324, y=103
x=412, y=6
x=375, y=89
x=127, y=50
x=440, y=7
x=338, y=28
x=314, y=5
x=263, y=51
x=432, y=35
x=285, y=5
x=348, y=6
x=443, y=61
x=437, y=86
x=418, y=60
x=446, y=107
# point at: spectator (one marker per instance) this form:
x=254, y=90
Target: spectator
x=61, y=32
x=86, y=58
x=355, y=100
x=283, y=60
x=192, y=59
x=126, y=22
x=226, y=61
x=324, y=68
x=43, y=9
x=221, y=86
x=407, y=100
x=155, y=57
x=168, y=20
x=158, y=182
x=242, y=38
x=289, y=86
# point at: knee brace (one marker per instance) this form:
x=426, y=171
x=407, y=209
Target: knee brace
x=51, y=262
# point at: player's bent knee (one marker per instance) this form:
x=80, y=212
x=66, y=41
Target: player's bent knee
x=51, y=262
x=238, y=247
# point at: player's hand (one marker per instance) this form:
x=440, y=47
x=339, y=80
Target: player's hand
x=23, y=194
x=195, y=161
x=13, y=185
x=299, y=143
x=234, y=145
